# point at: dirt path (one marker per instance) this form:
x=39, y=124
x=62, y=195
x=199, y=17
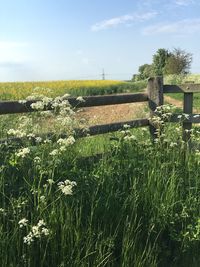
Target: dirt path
x=178, y=103
x=113, y=113
x=123, y=112
x=175, y=102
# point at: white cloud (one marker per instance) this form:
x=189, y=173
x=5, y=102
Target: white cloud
x=182, y=27
x=184, y=2
x=126, y=19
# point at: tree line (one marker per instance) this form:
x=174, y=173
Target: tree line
x=165, y=62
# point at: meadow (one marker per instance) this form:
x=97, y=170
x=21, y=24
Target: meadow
x=134, y=204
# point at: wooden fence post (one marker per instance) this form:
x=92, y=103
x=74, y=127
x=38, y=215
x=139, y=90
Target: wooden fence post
x=155, y=95
x=187, y=109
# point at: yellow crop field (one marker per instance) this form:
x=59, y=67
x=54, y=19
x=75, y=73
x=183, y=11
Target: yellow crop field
x=20, y=90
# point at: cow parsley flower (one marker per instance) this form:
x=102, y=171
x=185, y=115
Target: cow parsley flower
x=17, y=133
x=22, y=153
x=39, y=105
x=66, y=142
x=80, y=99
x=23, y=222
x=67, y=187
x=126, y=126
x=37, y=231
x=22, y=101
x=50, y=181
x=54, y=152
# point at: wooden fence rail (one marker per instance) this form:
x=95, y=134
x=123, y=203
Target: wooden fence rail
x=154, y=96
x=11, y=107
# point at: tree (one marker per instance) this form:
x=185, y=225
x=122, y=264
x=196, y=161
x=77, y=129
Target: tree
x=179, y=62
x=160, y=60
x=145, y=71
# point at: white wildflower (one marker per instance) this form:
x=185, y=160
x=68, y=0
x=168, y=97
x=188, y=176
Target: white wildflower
x=47, y=141
x=186, y=116
x=23, y=222
x=22, y=153
x=80, y=99
x=66, y=187
x=66, y=142
x=47, y=100
x=45, y=231
x=37, y=231
x=126, y=126
x=39, y=105
x=38, y=139
x=65, y=96
x=173, y=144
x=22, y=101
x=17, y=133
x=130, y=138
x=28, y=239
x=50, y=181
x=54, y=152
x=31, y=135
x=41, y=223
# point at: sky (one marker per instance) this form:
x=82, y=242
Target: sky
x=77, y=39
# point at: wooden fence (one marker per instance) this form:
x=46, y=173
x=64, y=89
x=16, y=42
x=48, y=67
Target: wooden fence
x=153, y=95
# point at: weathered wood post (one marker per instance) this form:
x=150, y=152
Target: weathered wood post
x=187, y=109
x=155, y=95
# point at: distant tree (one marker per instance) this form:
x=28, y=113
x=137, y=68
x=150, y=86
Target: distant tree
x=179, y=62
x=160, y=60
x=145, y=71
x=135, y=78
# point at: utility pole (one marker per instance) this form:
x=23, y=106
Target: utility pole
x=103, y=75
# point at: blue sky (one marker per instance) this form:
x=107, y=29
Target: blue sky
x=76, y=39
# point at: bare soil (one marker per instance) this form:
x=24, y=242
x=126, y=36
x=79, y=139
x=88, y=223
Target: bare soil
x=113, y=113
x=122, y=112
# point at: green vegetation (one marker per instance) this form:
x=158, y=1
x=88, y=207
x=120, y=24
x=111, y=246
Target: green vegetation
x=133, y=204
x=182, y=79
x=165, y=62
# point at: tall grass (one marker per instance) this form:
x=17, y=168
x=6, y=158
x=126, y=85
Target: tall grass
x=136, y=205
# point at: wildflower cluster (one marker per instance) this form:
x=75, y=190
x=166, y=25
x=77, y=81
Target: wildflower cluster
x=80, y=99
x=37, y=231
x=126, y=133
x=54, y=115
x=22, y=153
x=23, y=222
x=67, y=187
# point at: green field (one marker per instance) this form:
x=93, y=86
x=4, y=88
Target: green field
x=115, y=200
